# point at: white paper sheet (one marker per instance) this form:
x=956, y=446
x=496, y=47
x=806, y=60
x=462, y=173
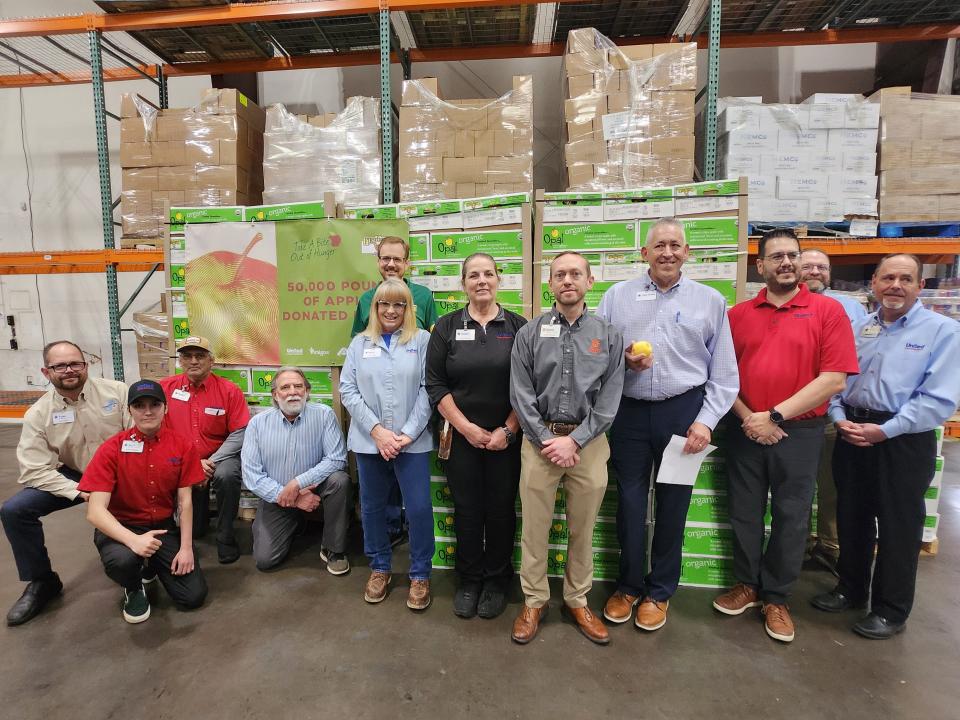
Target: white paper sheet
x=680, y=469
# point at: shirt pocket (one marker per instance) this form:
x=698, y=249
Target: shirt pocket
x=214, y=425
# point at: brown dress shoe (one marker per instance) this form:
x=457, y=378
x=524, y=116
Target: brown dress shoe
x=376, y=588
x=736, y=600
x=589, y=624
x=652, y=614
x=619, y=607
x=527, y=623
x=418, y=598
x=777, y=622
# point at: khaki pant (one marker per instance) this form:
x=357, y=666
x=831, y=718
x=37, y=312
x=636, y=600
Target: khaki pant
x=827, y=495
x=585, y=484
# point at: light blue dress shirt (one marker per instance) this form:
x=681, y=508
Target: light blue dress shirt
x=387, y=386
x=908, y=367
x=854, y=310
x=276, y=450
x=692, y=346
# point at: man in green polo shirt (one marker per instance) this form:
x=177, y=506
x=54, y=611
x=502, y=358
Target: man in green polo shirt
x=393, y=254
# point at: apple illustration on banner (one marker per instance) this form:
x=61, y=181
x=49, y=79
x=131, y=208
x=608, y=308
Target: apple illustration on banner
x=232, y=300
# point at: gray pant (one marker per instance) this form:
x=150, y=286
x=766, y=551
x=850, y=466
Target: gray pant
x=274, y=526
x=226, y=482
x=788, y=470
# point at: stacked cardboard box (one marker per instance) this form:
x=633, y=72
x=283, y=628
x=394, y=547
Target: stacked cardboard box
x=154, y=347
x=919, y=153
x=812, y=162
x=464, y=148
x=306, y=156
x=211, y=154
x=628, y=112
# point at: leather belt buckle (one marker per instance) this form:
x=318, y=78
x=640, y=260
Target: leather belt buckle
x=558, y=428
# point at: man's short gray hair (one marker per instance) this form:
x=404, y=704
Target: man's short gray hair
x=665, y=222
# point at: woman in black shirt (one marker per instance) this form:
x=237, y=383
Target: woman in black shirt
x=468, y=381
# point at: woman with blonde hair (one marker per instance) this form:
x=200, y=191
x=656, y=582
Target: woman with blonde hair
x=383, y=387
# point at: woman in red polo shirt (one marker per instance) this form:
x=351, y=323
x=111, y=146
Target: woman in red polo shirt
x=132, y=487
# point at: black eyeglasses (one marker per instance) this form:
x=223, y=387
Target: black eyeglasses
x=61, y=368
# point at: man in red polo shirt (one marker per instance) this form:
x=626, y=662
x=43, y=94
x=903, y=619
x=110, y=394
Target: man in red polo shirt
x=136, y=479
x=213, y=413
x=794, y=351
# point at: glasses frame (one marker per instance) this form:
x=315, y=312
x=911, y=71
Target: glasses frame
x=61, y=368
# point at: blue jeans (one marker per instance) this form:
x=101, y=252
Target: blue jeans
x=377, y=477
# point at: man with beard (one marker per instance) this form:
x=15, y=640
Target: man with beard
x=683, y=386
x=61, y=432
x=885, y=452
x=293, y=458
x=211, y=412
x=815, y=272
x=794, y=350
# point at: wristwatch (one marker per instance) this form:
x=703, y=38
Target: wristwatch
x=509, y=435
x=775, y=416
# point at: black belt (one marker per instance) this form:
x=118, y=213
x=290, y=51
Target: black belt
x=866, y=415
x=562, y=428
x=818, y=421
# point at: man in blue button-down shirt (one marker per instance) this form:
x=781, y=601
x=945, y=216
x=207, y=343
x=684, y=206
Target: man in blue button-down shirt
x=293, y=458
x=884, y=458
x=683, y=387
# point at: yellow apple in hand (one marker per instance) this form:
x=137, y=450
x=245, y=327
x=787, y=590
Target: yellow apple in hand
x=641, y=347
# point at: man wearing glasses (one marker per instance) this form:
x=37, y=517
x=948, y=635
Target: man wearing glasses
x=794, y=351
x=815, y=272
x=61, y=432
x=393, y=254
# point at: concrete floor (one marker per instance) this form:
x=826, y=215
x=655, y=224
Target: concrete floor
x=301, y=643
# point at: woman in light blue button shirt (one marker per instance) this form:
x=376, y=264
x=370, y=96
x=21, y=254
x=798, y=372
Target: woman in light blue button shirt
x=383, y=387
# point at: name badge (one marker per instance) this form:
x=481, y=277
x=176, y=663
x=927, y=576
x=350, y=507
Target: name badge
x=215, y=411
x=371, y=352
x=64, y=416
x=180, y=394
x=131, y=446
x=646, y=295
x=466, y=334
x=550, y=330
x=870, y=331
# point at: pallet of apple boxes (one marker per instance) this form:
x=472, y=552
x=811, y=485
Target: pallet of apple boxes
x=207, y=155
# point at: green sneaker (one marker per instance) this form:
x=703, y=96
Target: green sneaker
x=136, y=607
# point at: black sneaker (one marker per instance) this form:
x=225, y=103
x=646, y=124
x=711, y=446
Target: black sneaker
x=337, y=563
x=492, y=603
x=136, y=606
x=228, y=552
x=465, y=600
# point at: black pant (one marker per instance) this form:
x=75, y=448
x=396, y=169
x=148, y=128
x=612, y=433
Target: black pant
x=881, y=488
x=484, y=485
x=123, y=565
x=226, y=483
x=788, y=469
x=639, y=435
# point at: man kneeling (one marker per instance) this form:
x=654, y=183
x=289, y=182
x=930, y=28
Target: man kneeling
x=136, y=480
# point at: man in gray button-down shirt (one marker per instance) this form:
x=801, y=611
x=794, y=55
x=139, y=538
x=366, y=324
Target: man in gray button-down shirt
x=566, y=382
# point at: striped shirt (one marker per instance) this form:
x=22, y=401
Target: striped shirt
x=309, y=448
x=688, y=328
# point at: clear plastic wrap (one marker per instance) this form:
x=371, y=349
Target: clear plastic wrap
x=628, y=112
x=919, y=154
x=304, y=157
x=152, y=330
x=814, y=161
x=211, y=154
x=464, y=148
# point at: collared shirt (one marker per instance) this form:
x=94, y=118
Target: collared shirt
x=309, y=448
x=206, y=413
x=688, y=328
x=908, y=367
x=572, y=374
x=57, y=431
x=423, y=304
x=853, y=308
x=782, y=350
x=143, y=475
x=387, y=386
x=472, y=363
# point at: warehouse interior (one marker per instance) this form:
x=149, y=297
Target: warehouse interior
x=298, y=641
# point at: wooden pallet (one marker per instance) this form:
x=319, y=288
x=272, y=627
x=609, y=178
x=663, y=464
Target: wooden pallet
x=929, y=549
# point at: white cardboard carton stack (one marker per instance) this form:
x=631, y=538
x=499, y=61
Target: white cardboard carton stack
x=811, y=162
